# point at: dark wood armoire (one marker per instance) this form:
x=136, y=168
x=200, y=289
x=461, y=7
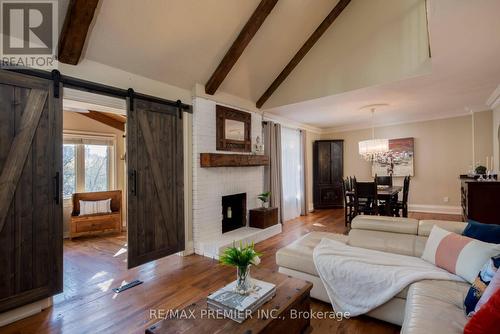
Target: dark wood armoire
x=328, y=167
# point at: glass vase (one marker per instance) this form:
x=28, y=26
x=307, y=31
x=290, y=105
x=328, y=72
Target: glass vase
x=243, y=284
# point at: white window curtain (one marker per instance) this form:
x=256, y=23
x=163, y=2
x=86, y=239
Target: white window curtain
x=292, y=173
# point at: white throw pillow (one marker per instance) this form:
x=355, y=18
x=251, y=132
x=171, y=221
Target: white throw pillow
x=458, y=254
x=93, y=207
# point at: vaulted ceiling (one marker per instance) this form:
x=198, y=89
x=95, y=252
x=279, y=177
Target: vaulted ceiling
x=465, y=70
x=366, y=52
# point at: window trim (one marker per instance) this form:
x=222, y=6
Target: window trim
x=80, y=156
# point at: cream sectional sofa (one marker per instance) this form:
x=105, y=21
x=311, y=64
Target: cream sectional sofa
x=428, y=306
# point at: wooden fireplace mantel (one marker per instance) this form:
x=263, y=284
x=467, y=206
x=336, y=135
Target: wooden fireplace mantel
x=232, y=160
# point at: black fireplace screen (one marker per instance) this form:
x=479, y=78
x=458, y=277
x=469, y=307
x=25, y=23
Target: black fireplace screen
x=234, y=212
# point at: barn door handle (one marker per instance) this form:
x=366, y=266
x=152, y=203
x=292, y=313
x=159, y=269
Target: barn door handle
x=133, y=182
x=56, y=188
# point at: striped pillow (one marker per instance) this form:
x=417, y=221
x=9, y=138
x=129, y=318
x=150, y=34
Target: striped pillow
x=93, y=207
x=457, y=254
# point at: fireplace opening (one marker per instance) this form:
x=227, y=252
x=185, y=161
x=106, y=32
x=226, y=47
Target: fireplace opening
x=234, y=212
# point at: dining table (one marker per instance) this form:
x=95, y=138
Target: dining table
x=385, y=193
x=390, y=191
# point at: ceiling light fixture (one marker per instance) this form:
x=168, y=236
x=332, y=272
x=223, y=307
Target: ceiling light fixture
x=373, y=149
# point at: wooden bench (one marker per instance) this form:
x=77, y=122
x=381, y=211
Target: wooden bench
x=96, y=223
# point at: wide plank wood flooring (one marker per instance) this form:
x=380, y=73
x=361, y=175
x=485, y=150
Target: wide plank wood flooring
x=95, y=265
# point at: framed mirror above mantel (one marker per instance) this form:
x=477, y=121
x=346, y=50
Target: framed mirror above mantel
x=233, y=129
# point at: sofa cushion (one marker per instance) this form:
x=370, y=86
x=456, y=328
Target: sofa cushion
x=95, y=207
x=404, y=244
x=299, y=254
x=425, y=226
x=385, y=224
x=484, y=232
x=420, y=245
x=434, y=306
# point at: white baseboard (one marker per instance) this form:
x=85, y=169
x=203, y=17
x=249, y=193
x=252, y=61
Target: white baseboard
x=310, y=207
x=189, y=249
x=24, y=311
x=444, y=209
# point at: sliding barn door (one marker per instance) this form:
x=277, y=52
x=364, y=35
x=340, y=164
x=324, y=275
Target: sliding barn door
x=30, y=196
x=155, y=184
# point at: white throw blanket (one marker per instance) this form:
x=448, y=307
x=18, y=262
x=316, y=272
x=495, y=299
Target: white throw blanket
x=359, y=280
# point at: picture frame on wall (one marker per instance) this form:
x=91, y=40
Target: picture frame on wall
x=400, y=159
x=233, y=128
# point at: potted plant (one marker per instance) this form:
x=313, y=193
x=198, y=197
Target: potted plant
x=264, y=198
x=242, y=258
x=481, y=170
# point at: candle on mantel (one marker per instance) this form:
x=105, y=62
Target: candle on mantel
x=487, y=165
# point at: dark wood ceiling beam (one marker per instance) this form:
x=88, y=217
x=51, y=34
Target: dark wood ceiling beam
x=74, y=32
x=247, y=33
x=104, y=119
x=315, y=36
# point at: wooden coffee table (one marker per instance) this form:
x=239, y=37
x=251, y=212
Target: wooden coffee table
x=287, y=312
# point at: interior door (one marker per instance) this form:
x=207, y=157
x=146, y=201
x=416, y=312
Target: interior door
x=337, y=167
x=155, y=184
x=324, y=163
x=30, y=197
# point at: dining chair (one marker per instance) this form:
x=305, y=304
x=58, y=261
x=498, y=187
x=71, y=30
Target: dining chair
x=384, y=180
x=365, y=198
x=403, y=204
x=382, y=208
x=351, y=183
x=348, y=201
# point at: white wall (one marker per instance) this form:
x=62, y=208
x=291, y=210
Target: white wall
x=107, y=75
x=494, y=103
x=372, y=42
x=443, y=151
x=496, y=137
x=210, y=184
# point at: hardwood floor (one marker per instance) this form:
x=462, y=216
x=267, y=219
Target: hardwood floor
x=94, y=265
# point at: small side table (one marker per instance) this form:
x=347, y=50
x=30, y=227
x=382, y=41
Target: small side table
x=263, y=217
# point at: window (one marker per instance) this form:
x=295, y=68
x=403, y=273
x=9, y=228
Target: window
x=88, y=163
x=291, y=169
x=69, y=170
x=96, y=168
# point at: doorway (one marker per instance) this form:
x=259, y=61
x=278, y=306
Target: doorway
x=94, y=191
x=35, y=191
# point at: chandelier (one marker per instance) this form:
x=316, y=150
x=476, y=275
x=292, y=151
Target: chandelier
x=373, y=149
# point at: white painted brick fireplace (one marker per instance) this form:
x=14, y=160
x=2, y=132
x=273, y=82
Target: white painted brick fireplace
x=210, y=184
